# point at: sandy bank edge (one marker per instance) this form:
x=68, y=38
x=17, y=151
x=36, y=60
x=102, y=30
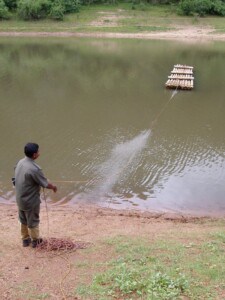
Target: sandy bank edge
x=97, y=211
x=192, y=34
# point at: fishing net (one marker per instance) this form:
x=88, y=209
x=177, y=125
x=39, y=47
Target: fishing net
x=60, y=244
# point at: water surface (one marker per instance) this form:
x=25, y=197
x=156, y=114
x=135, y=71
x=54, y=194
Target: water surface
x=90, y=105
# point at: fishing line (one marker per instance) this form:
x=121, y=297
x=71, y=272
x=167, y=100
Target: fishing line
x=123, y=154
x=46, y=208
x=163, y=109
x=70, y=181
x=153, y=123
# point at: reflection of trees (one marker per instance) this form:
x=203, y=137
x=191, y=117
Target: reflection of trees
x=123, y=77
x=43, y=59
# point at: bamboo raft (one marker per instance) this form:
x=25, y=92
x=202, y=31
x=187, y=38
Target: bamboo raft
x=181, y=78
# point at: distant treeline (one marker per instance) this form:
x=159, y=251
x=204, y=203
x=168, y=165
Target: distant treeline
x=56, y=9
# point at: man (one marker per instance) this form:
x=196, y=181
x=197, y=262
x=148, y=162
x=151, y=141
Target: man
x=28, y=182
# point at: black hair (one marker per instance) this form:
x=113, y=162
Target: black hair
x=30, y=149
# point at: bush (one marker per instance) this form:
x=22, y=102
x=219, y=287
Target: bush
x=218, y=8
x=71, y=6
x=186, y=8
x=57, y=10
x=33, y=9
x=4, y=11
x=11, y=4
x=202, y=7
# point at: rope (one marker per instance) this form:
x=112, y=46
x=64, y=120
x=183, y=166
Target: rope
x=162, y=110
x=69, y=181
x=46, y=208
x=55, y=244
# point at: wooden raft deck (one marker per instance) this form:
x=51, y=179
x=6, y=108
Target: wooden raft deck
x=181, y=78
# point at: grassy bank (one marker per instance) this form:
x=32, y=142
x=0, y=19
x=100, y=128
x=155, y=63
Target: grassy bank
x=173, y=266
x=116, y=18
x=130, y=255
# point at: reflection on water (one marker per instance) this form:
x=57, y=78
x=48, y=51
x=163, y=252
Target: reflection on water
x=90, y=105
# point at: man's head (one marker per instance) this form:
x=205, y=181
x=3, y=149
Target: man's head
x=31, y=150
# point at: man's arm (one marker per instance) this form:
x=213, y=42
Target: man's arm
x=39, y=177
x=51, y=186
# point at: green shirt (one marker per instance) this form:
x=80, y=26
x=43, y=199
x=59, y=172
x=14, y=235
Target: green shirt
x=28, y=181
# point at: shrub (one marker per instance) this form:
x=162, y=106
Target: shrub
x=57, y=10
x=202, y=7
x=11, y=4
x=186, y=7
x=33, y=9
x=4, y=11
x=218, y=8
x=71, y=6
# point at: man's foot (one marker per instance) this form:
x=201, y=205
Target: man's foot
x=26, y=242
x=36, y=242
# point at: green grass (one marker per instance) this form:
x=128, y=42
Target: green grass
x=163, y=269
x=116, y=18
x=26, y=290
x=130, y=29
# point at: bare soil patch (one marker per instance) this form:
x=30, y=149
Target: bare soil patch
x=25, y=272
x=183, y=33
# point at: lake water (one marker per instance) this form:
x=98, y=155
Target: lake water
x=90, y=105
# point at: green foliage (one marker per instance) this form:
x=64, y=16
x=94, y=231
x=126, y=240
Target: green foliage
x=152, y=1
x=33, y=9
x=140, y=6
x=218, y=7
x=4, y=11
x=202, y=7
x=71, y=6
x=129, y=280
x=136, y=277
x=136, y=274
x=57, y=10
x=163, y=270
x=11, y=4
x=40, y=9
x=89, y=2
x=220, y=236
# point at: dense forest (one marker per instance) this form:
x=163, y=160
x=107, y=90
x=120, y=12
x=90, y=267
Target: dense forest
x=56, y=9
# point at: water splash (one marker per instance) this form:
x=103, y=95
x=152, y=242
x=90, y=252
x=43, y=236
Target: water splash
x=120, y=162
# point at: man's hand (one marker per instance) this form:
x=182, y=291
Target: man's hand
x=52, y=187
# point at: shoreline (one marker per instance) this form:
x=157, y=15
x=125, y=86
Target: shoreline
x=187, y=34
x=97, y=210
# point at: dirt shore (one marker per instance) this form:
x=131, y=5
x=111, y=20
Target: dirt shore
x=186, y=33
x=26, y=273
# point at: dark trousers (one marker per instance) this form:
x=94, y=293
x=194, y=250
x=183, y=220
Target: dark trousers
x=29, y=220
